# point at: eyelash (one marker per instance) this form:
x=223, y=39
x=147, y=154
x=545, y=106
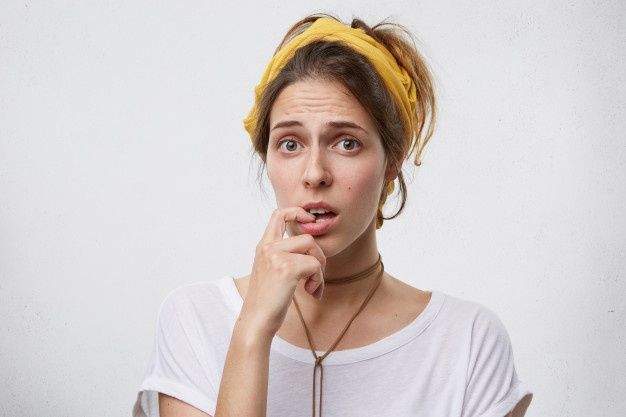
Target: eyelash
x=279, y=144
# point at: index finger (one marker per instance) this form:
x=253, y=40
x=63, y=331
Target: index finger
x=277, y=225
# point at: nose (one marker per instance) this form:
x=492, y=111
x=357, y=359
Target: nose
x=316, y=172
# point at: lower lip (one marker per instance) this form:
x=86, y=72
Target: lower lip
x=316, y=229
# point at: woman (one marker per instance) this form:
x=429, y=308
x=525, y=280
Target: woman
x=337, y=111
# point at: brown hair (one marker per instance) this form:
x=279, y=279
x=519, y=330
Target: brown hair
x=333, y=60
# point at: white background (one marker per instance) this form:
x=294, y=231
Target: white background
x=125, y=172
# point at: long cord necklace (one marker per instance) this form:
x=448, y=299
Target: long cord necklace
x=342, y=280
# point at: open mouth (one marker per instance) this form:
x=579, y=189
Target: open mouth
x=323, y=224
x=319, y=217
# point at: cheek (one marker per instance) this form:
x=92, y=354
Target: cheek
x=283, y=181
x=365, y=190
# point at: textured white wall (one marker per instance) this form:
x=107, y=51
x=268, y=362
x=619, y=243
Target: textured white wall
x=125, y=172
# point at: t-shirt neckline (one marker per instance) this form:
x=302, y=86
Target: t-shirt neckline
x=380, y=347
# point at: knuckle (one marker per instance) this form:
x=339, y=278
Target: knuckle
x=275, y=259
x=318, y=264
x=263, y=248
x=309, y=239
x=283, y=267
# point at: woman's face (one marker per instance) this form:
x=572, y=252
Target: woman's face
x=314, y=158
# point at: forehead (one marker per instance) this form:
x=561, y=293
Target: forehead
x=321, y=100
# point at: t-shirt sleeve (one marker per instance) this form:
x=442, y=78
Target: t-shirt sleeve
x=493, y=387
x=177, y=365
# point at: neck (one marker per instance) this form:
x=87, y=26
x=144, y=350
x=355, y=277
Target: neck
x=358, y=257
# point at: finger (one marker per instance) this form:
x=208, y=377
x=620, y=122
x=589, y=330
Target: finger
x=318, y=293
x=276, y=227
x=315, y=292
x=304, y=244
x=309, y=269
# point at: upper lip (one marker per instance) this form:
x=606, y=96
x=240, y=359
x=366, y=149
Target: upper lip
x=319, y=204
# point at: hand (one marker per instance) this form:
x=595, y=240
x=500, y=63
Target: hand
x=279, y=265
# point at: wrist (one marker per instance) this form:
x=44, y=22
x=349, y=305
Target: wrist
x=252, y=334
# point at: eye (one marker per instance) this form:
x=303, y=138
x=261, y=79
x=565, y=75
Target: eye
x=350, y=140
x=290, y=147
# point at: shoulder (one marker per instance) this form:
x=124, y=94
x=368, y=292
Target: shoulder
x=481, y=337
x=458, y=314
x=472, y=313
x=194, y=301
x=473, y=328
x=195, y=291
x=467, y=313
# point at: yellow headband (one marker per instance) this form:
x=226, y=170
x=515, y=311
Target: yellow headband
x=395, y=77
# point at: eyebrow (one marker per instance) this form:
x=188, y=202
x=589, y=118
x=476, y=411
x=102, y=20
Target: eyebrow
x=336, y=124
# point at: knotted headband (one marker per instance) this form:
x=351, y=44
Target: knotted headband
x=395, y=77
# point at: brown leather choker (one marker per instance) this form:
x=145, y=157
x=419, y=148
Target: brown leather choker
x=342, y=280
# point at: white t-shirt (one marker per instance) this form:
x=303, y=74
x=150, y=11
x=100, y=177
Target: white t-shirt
x=454, y=360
